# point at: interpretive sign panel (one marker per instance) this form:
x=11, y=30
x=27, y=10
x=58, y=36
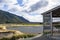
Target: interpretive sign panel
x=47, y=22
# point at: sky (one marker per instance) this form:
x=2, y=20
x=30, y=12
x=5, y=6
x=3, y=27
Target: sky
x=29, y=9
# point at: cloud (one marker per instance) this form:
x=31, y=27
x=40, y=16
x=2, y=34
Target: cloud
x=33, y=18
x=8, y=3
x=42, y=6
x=37, y=6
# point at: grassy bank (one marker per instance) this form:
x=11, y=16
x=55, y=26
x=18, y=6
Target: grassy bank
x=15, y=37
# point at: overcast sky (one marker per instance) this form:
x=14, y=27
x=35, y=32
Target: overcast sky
x=29, y=9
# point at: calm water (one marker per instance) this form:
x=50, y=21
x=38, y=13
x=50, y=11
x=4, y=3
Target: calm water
x=28, y=29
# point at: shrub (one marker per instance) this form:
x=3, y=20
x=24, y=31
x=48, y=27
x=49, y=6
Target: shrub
x=15, y=37
x=5, y=39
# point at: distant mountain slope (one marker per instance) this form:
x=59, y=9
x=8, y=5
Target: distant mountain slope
x=6, y=17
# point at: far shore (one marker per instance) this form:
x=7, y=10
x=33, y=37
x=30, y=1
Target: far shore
x=8, y=25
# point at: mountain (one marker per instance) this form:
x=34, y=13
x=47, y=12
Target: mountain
x=6, y=17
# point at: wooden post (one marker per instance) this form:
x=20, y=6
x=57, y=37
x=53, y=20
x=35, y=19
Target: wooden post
x=51, y=25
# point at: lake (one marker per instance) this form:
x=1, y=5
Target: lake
x=28, y=29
